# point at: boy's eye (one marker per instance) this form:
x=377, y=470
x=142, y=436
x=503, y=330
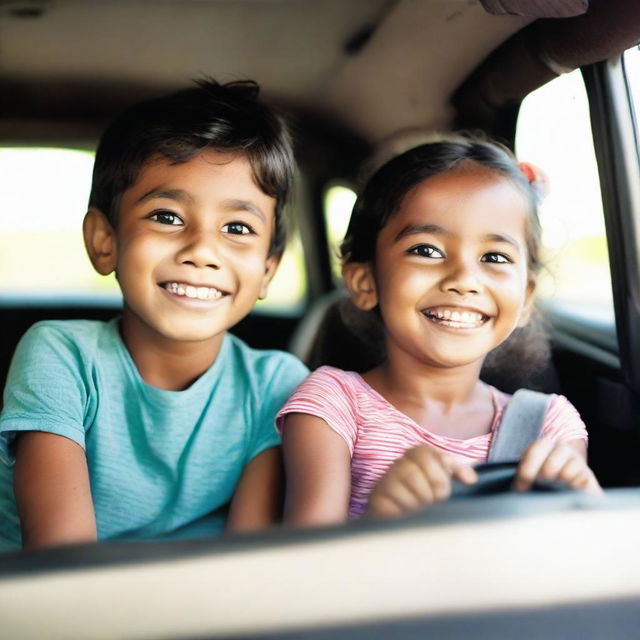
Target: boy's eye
x=426, y=251
x=495, y=258
x=166, y=217
x=237, y=228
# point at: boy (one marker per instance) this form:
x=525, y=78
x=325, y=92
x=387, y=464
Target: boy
x=150, y=425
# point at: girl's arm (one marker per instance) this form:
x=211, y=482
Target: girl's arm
x=53, y=496
x=257, y=501
x=318, y=472
x=420, y=477
x=562, y=462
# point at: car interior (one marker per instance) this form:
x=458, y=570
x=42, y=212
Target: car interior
x=558, y=81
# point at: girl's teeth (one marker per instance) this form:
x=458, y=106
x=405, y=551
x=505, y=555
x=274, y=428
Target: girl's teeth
x=458, y=318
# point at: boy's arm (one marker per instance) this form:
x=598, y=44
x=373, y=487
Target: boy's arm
x=53, y=495
x=318, y=471
x=257, y=501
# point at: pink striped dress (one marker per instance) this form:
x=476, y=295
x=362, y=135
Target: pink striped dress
x=376, y=433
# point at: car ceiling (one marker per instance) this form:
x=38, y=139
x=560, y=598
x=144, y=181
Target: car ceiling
x=375, y=66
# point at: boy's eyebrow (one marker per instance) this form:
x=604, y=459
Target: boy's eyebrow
x=245, y=205
x=171, y=194
x=184, y=196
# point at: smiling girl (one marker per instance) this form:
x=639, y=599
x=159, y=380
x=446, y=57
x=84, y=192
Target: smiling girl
x=443, y=247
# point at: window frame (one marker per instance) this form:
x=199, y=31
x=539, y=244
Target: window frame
x=614, y=139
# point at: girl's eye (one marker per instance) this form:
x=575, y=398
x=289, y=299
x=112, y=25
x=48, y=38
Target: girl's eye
x=495, y=258
x=426, y=251
x=166, y=217
x=237, y=228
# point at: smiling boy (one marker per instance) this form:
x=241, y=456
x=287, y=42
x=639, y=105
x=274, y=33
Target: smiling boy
x=159, y=424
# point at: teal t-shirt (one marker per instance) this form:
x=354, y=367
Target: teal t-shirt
x=162, y=464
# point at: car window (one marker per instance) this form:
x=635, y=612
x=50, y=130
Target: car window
x=41, y=241
x=288, y=290
x=42, y=255
x=554, y=133
x=338, y=203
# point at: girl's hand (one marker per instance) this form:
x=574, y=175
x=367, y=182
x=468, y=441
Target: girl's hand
x=422, y=476
x=564, y=463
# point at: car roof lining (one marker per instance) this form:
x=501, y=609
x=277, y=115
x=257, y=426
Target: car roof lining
x=375, y=68
x=348, y=61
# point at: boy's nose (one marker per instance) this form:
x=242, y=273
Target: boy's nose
x=200, y=251
x=463, y=278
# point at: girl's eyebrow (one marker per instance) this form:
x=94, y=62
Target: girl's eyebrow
x=503, y=237
x=415, y=229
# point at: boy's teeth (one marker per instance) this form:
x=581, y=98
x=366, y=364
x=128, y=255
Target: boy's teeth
x=196, y=293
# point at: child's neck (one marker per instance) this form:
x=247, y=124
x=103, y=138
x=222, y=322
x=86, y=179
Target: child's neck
x=164, y=363
x=452, y=402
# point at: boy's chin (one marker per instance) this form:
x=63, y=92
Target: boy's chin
x=186, y=335
x=145, y=332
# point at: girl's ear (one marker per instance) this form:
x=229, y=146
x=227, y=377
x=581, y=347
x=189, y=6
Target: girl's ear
x=271, y=266
x=100, y=241
x=525, y=314
x=359, y=279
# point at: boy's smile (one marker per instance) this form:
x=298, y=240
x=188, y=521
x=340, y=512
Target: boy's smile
x=450, y=273
x=192, y=245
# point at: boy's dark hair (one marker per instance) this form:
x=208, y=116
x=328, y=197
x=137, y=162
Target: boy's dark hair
x=384, y=191
x=225, y=117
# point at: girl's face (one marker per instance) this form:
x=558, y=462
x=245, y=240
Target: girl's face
x=450, y=272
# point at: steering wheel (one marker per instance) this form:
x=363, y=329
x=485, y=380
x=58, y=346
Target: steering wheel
x=498, y=477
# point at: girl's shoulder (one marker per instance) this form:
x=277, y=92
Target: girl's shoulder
x=556, y=403
x=334, y=377
x=561, y=420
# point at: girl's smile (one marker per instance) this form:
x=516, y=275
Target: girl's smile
x=456, y=317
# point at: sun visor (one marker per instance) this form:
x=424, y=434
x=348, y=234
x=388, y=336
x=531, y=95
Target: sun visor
x=536, y=8
x=540, y=52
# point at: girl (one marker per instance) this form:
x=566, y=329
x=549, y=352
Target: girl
x=443, y=247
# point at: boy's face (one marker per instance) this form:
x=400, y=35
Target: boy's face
x=191, y=247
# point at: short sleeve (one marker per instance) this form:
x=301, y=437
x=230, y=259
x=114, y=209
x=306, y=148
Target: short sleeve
x=44, y=390
x=326, y=394
x=286, y=376
x=562, y=422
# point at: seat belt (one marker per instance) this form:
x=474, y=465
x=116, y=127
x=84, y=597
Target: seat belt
x=520, y=425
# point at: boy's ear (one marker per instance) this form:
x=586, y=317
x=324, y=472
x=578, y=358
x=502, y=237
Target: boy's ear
x=359, y=280
x=271, y=265
x=100, y=241
x=525, y=314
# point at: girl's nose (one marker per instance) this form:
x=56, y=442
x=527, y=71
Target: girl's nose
x=199, y=250
x=463, y=278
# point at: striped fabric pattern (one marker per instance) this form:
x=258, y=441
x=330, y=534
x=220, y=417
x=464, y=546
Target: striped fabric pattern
x=376, y=433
